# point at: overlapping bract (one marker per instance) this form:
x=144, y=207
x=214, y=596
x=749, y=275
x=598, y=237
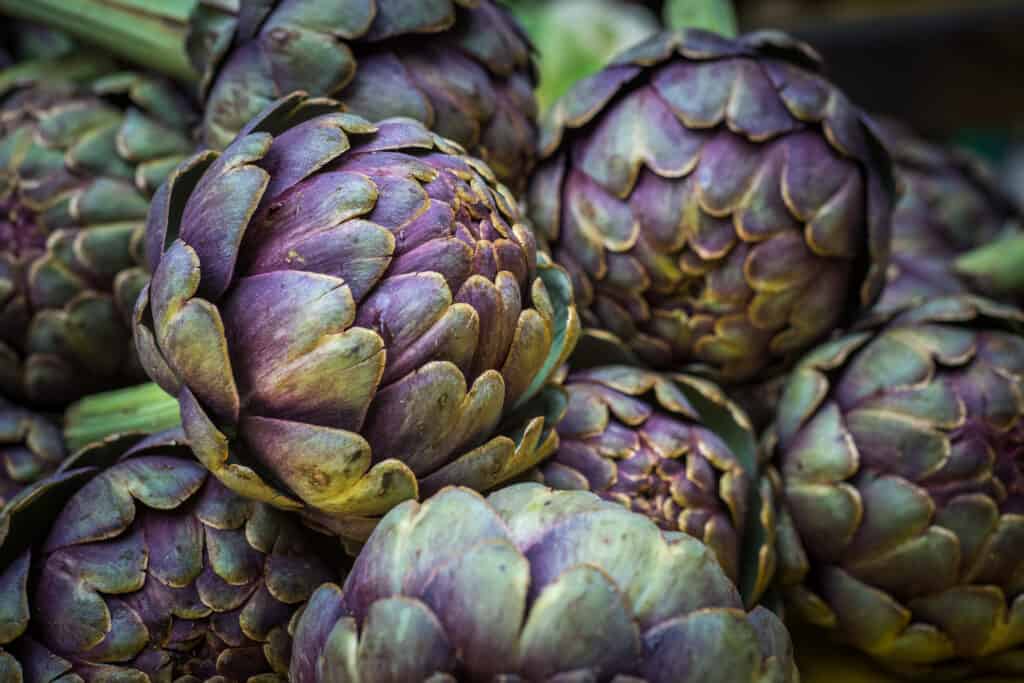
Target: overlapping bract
x=77, y=167
x=719, y=204
x=649, y=442
x=462, y=67
x=948, y=203
x=533, y=584
x=346, y=311
x=900, y=449
x=31, y=446
x=154, y=569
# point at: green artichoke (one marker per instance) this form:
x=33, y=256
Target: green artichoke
x=462, y=67
x=31, y=446
x=949, y=202
x=674, y=448
x=720, y=206
x=346, y=311
x=77, y=167
x=152, y=570
x=535, y=585
x=900, y=451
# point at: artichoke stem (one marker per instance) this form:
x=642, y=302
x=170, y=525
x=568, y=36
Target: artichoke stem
x=998, y=266
x=147, y=32
x=143, y=409
x=711, y=15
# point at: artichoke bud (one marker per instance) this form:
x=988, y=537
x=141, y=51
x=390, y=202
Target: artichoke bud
x=720, y=206
x=79, y=161
x=348, y=313
x=464, y=69
x=144, y=566
x=674, y=448
x=899, y=449
x=538, y=585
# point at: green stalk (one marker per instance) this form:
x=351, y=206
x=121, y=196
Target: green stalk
x=997, y=266
x=711, y=15
x=144, y=409
x=147, y=32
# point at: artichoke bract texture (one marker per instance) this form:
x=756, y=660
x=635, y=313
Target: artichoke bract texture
x=153, y=570
x=534, y=585
x=720, y=205
x=462, y=67
x=31, y=446
x=901, y=450
x=78, y=164
x=346, y=311
x=671, y=447
x=949, y=202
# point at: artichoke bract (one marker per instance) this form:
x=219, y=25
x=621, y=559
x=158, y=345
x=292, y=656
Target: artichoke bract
x=346, y=311
x=462, y=67
x=533, y=584
x=153, y=570
x=78, y=164
x=720, y=206
x=900, y=450
x=31, y=447
x=674, y=448
x=949, y=202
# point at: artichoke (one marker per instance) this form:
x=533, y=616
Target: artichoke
x=152, y=570
x=674, y=448
x=77, y=167
x=346, y=311
x=900, y=450
x=533, y=584
x=949, y=202
x=462, y=67
x=720, y=206
x=31, y=446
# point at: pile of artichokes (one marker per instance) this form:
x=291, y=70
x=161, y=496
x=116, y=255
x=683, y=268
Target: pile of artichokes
x=324, y=356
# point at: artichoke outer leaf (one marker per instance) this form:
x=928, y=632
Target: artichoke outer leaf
x=566, y=331
x=554, y=639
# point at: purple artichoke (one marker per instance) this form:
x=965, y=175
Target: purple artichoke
x=31, y=446
x=949, y=202
x=720, y=206
x=154, y=571
x=901, y=450
x=533, y=585
x=346, y=311
x=674, y=448
x=462, y=67
x=77, y=167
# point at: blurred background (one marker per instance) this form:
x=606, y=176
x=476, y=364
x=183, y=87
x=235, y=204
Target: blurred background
x=953, y=69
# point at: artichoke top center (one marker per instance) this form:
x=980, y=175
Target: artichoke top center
x=646, y=485
x=21, y=234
